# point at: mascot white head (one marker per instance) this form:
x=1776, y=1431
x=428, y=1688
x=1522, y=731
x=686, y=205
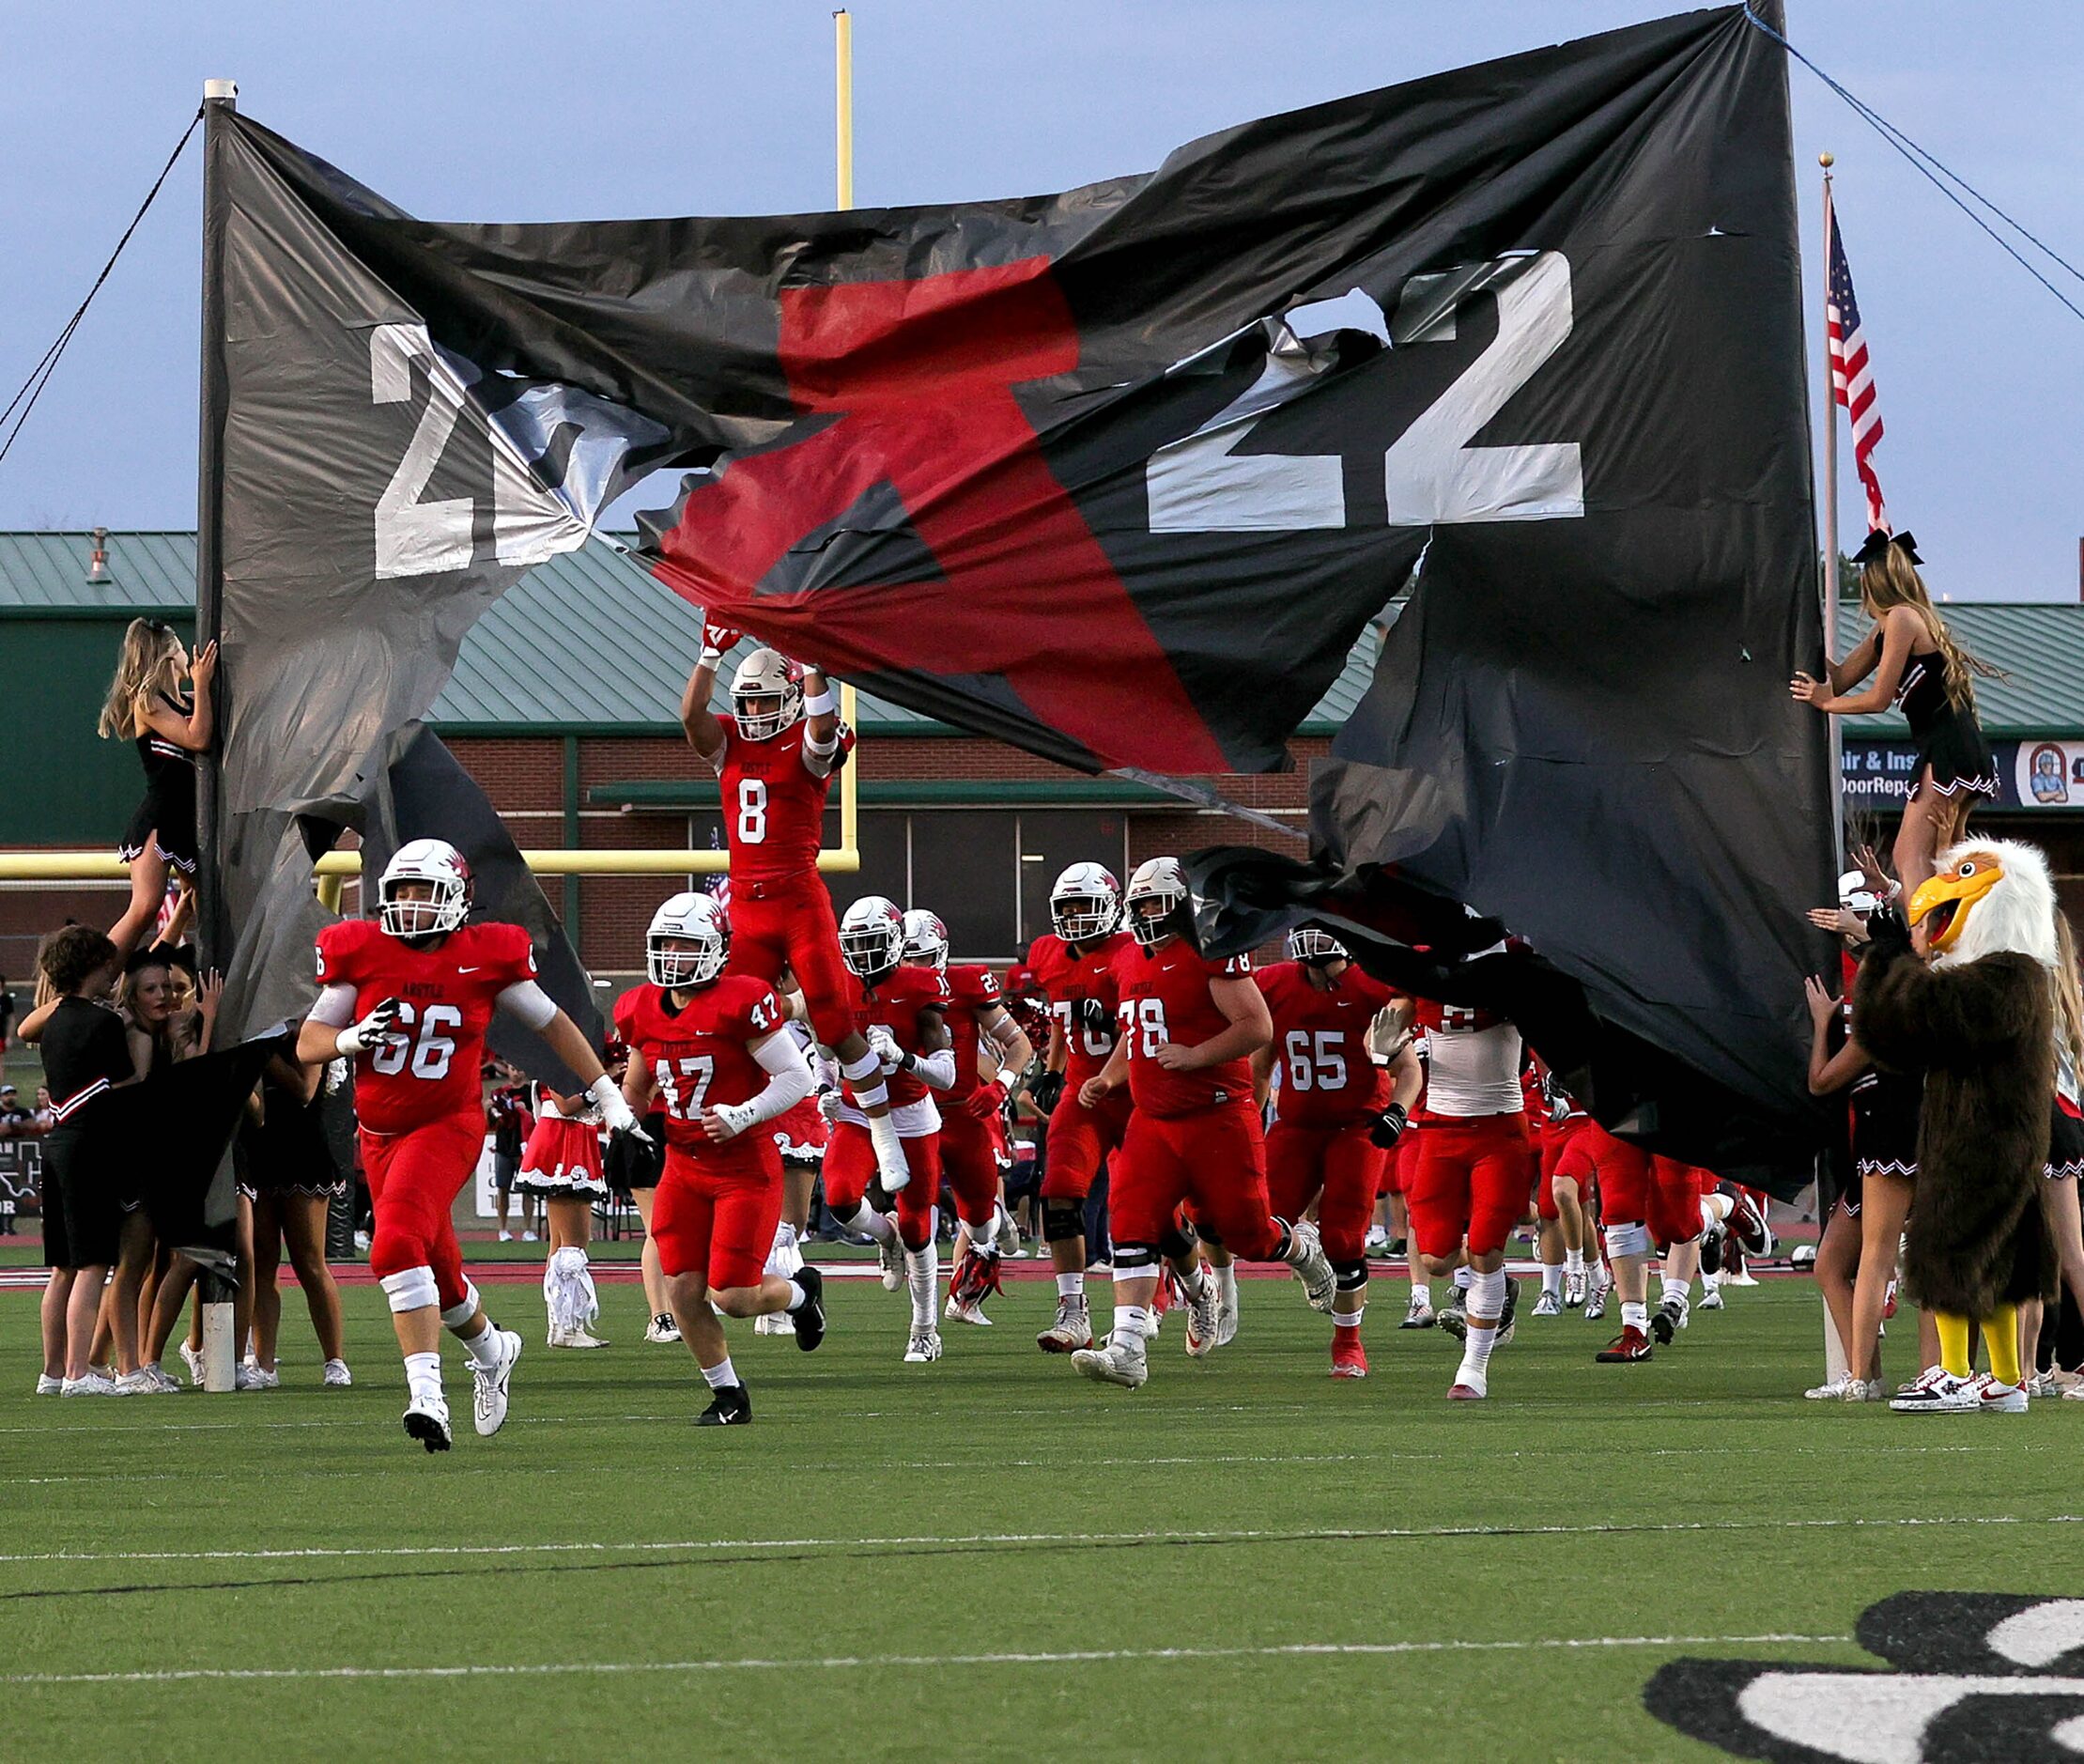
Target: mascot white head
x=1986, y=896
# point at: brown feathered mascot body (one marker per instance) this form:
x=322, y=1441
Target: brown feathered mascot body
x=1966, y=998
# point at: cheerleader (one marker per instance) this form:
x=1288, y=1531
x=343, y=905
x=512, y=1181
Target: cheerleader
x=2065, y=1162
x=145, y=705
x=561, y=1163
x=1919, y=670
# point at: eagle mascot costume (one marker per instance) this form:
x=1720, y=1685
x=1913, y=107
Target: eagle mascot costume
x=1964, y=993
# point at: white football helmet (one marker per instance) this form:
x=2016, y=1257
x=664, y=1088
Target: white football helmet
x=434, y=861
x=1086, y=904
x=1160, y=883
x=766, y=675
x=872, y=937
x=925, y=938
x=1310, y=943
x=696, y=918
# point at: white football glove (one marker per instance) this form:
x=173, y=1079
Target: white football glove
x=828, y=1105
x=371, y=1032
x=734, y=1118
x=616, y=1114
x=884, y=1046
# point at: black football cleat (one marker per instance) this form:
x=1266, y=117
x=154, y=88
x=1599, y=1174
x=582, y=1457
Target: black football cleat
x=728, y=1407
x=808, y=1319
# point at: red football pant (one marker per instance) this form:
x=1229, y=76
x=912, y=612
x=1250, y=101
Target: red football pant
x=1555, y=1142
x=1212, y=1161
x=1638, y=1189
x=792, y=926
x=969, y=1165
x=1079, y=1139
x=850, y=1167
x=717, y=1223
x=1474, y=1178
x=415, y=1178
x=1343, y=1163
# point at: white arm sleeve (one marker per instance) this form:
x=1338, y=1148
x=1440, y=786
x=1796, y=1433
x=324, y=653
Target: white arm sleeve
x=938, y=1071
x=335, y=1008
x=528, y=1004
x=788, y=1078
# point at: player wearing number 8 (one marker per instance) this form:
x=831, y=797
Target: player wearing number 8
x=714, y=1046
x=775, y=755
x=409, y=997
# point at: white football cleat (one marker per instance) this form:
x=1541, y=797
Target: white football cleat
x=1071, y=1330
x=773, y=1322
x=923, y=1348
x=337, y=1376
x=1573, y=1289
x=663, y=1329
x=1120, y=1361
x=1710, y=1299
x=1204, y=1319
x=489, y=1384
x=1548, y=1305
x=1319, y=1284
x=1228, y=1308
x=426, y=1419
x=891, y=1256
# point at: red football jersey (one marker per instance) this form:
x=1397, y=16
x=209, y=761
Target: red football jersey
x=1070, y=980
x=773, y=803
x=1328, y=1077
x=701, y=1056
x=446, y=995
x=972, y=994
x=1165, y=998
x=901, y=1000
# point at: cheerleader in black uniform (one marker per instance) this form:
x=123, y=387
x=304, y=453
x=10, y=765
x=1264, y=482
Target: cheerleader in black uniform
x=1862, y=1234
x=147, y=705
x=2065, y=1165
x=1919, y=669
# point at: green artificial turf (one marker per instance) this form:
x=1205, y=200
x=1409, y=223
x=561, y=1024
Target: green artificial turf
x=901, y=1533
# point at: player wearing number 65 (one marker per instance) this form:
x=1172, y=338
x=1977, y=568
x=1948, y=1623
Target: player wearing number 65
x=776, y=756
x=407, y=996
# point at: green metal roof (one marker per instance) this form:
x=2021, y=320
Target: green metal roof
x=591, y=642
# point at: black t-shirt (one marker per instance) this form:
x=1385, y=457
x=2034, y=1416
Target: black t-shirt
x=85, y=1051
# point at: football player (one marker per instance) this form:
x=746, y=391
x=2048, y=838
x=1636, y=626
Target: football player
x=799, y=1135
x=716, y=1048
x=1558, y=1201
x=899, y=1012
x=407, y=996
x=1189, y=1029
x=1338, y=1116
x=975, y=1106
x=776, y=756
x=1476, y=1172
x=1074, y=966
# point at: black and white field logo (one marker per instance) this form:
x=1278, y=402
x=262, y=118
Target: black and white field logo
x=1978, y=1679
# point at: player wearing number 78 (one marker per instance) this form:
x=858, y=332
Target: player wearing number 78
x=775, y=755
x=408, y=996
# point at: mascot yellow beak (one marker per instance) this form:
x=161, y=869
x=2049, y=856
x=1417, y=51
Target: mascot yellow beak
x=1948, y=897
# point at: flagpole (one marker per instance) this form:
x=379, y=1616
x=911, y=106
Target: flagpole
x=842, y=61
x=1831, y=449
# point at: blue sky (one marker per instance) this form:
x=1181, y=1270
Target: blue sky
x=511, y=110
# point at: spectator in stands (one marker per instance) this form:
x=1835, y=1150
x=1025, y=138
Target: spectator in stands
x=86, y=1056
x=147, y=704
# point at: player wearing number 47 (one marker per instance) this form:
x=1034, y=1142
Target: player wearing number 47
x=408, y=998
x=775, y=755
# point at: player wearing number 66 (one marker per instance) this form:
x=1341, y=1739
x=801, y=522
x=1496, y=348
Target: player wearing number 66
x=776, y=756
x=716, y=1049
x=407, y=996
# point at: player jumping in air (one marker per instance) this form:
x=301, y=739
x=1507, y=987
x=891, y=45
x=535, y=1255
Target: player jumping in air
x=1339, y=1114
x=1189, y=1029
x=715, y=1048
x=973, y=1108
x=407, y=996
x=775, y=758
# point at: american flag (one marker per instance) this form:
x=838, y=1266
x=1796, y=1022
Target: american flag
x=1852, y=380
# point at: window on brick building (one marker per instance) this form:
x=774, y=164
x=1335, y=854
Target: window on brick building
x=1051, y=840
x=965, y=868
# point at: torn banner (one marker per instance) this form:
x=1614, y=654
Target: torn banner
x=1119, y=475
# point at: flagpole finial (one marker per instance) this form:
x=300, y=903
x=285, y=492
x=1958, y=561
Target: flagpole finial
x=1827, y=160
x=220, y=90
